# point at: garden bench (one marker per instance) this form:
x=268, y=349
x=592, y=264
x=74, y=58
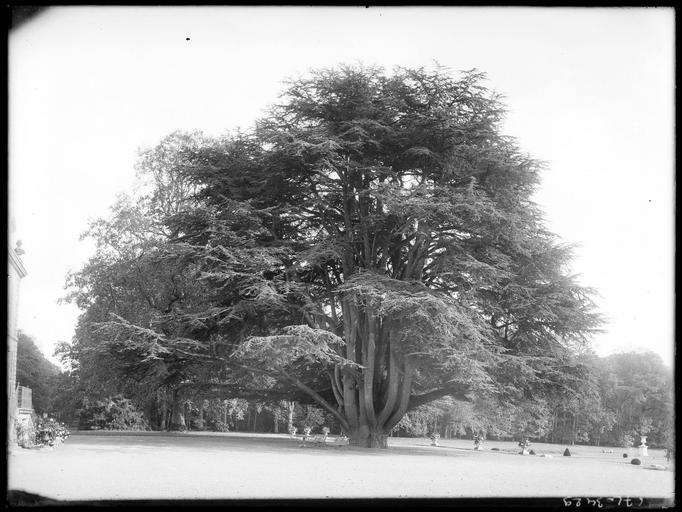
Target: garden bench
x=314, y=439
x=322, y=439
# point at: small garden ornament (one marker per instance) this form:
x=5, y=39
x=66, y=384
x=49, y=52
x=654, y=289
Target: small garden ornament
x=524, y=444
x=478, y=442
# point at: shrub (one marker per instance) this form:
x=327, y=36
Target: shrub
x=627, y=440
x=636, y=462
x=198, y=424
x=50, y=432
x=219, y=426
x=25, y=433
x=114, y=413
x=310, y=416
x=41, y=432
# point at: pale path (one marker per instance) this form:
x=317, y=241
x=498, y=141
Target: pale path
x=219, y=466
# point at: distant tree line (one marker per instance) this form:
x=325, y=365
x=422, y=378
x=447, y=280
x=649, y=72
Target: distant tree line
x=623, y=396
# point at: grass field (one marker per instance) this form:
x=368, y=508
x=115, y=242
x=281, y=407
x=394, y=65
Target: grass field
x=239, y=465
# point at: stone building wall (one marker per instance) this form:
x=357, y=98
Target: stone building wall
x=15, y=272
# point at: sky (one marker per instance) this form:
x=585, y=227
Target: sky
x=588, y=91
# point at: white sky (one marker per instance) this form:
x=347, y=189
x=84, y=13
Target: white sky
x=590, y=91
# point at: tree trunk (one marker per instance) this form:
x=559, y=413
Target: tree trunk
x=370, y=416
x=365, y=437
x=290, y=415
x=163, y=414
x=554, y=426
x=373, y=397
x=178, y=419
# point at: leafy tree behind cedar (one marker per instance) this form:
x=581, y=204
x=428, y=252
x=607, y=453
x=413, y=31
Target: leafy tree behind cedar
x=624, y=396
x=371, y=245
x=35, y=371
x=120, y=280
x=638, y=389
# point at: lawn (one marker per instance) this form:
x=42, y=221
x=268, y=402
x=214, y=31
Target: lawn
x=240, y=465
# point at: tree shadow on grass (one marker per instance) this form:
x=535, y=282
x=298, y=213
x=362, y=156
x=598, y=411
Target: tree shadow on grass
x=16, y=498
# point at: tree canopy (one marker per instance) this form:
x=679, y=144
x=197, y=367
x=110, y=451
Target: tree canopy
x=370, y=245
x=622, y=397
x=35, y=371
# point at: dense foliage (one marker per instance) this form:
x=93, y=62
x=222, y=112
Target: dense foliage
x=35, y=371
x=113, y=413
x=624, y=397
x=369, y=247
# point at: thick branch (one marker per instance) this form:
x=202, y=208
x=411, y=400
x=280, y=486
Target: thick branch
x=405, y=387
x=349, y=395
x=318, y=398
x=393, y=385
x=457, y=391
x=369, y=350
x=335, y=388
x=222, y=390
